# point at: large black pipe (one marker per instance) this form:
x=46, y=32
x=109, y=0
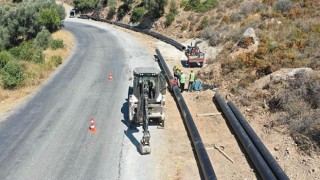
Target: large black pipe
x=253, y=153
x=204, y=160
x=274, y=166
x=164, y=67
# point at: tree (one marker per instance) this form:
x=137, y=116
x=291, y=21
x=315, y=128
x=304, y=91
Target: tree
x=50, y=18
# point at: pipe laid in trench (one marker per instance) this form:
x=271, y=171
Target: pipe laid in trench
x=272, y=163
x=253, y=153
x=204, y=160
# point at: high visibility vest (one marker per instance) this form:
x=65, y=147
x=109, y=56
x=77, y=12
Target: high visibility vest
x=192, y=77
x=182, y=78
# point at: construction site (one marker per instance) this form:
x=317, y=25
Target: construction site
x=209, y=96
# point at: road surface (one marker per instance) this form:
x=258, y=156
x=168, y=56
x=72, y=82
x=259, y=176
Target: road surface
x=48, y=137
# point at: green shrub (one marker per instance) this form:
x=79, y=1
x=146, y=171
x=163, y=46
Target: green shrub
x=43, y=39
x=50, y=18
x=137, y=14
x=38, y=56
x=15, y=52
x=56, y=60
x=26, y=51
x=56, y=44
x=5, y=57
x=200, y=7
x=12, y=75
x=169, y=19
x=204, y=22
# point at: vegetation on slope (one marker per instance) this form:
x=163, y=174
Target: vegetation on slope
x=25, y=32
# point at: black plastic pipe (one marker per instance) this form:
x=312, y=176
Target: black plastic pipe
x=164, y=67
x=272, y=163
x=204, y=160
x=253, y=153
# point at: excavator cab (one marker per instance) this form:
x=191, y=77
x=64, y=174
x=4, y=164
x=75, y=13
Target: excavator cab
x=147, y=101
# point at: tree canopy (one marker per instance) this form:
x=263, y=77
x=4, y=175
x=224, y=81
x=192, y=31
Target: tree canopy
x=24, y=20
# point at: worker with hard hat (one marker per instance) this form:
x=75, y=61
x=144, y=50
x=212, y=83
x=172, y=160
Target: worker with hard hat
x=192, y=77
x=182, y=81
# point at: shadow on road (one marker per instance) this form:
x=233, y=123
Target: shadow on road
x=130, y=130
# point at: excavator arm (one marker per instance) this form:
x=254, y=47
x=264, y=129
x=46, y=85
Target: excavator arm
x=145, y=141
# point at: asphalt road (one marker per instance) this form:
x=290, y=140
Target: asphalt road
x=47, y=137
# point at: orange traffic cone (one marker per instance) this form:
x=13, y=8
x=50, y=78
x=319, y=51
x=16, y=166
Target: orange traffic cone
x=92, y=128
x=110, y=77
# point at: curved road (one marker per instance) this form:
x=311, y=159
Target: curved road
x=48, y=137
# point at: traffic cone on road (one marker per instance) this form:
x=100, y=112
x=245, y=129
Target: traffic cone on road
x=110, y=77
x=92, y=128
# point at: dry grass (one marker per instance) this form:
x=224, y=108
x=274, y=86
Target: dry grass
x=298, y=102
x=36, y=74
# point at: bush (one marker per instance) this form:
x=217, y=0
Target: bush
x=85, y=4
x=172, y=13
x=15, y=52
x=169, y=19
x=12, y=75
x=43, y=39
x=184, y=26
x=50, y=18
x=56, y=44
x=38, y=56
x=206, y=6
x=230, y=66
x=200, y=7
x=204, y=22
x=56, y=60
x=284, y=6
x=137, y=14
x=236, y=17
x=26, y=51
x=111, y=12
x=215, y=39
x=5, y=57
